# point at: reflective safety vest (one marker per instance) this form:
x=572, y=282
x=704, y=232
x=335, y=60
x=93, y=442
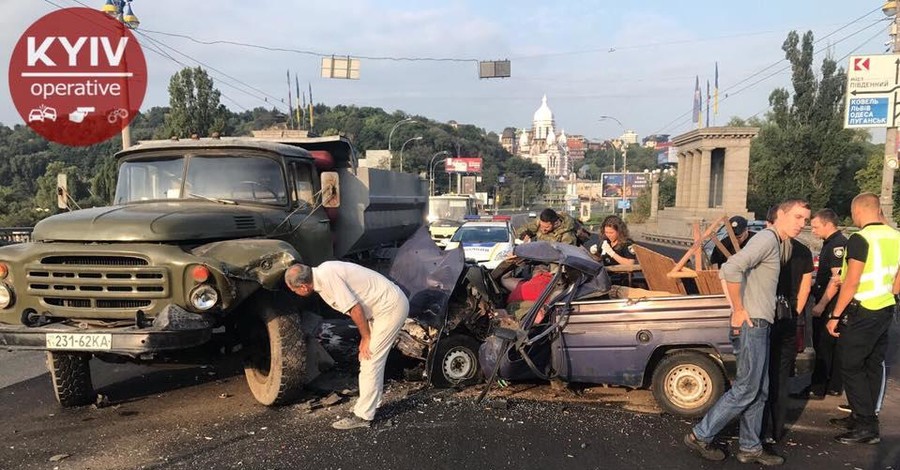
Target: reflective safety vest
x=875, y=290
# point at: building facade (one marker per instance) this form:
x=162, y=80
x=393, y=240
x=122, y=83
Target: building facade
x=542, y=144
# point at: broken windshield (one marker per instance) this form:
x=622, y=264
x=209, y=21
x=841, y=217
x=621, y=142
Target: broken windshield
x=219, y=177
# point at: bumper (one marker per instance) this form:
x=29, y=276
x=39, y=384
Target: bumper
x=169, y=332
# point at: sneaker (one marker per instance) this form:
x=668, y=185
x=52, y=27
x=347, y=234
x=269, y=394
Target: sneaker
x=858, y=436
x=845, y=408
x=706, y=450
x=351, y=422
x=761, y=456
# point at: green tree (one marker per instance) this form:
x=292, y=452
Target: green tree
x=194, y=106
x=802, y=149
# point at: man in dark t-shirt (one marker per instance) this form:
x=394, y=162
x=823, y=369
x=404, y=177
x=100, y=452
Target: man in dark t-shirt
x=794, y=283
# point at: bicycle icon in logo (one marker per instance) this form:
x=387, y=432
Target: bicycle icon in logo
x=117, y=114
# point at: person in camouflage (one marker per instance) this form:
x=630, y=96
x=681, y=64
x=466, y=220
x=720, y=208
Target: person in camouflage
x=550, y=226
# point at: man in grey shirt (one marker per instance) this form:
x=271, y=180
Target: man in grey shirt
x=750, y=278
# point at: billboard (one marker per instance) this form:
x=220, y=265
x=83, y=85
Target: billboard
x=612, y=185
x=468, y=185
x=463, y=165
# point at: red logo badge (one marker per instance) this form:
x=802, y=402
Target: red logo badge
x=860, y=64
x=77, y=76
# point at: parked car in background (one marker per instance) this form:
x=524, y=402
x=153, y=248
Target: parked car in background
x=442, y=230
x=485, y=241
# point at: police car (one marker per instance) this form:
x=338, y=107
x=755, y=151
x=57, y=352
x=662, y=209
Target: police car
x=487, y=241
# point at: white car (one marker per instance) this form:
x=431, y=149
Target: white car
x=486, y=243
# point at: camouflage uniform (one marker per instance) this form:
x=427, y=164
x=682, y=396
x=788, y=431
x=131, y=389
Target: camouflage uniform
x=563, y=233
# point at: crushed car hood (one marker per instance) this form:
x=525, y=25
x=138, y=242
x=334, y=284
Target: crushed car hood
x=428, y=276
x=153, y=222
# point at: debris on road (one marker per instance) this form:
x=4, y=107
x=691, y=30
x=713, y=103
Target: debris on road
x=58, y=457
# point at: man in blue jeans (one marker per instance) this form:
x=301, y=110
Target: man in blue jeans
x=750, y=278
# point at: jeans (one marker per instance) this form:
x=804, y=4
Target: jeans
x=748, y=393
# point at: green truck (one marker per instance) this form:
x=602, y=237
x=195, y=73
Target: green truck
x=190, y=258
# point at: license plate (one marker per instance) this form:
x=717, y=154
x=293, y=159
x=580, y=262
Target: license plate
x=79, y=341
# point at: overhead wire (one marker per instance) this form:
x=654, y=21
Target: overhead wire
x=160, y=48
x=681, y=119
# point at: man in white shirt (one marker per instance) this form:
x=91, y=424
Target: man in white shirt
x=377, y=307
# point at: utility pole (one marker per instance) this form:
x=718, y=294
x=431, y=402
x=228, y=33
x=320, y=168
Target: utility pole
x=890, y=140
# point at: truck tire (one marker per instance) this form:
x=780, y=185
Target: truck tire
x=455, y=362
x=70, y=373
x=687, y=383
x=276, y=361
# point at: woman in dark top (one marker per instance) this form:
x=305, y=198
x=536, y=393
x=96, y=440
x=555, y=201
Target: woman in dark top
x=615, y=246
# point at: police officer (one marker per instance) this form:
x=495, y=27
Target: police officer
x=826, y=377
x=862, y=316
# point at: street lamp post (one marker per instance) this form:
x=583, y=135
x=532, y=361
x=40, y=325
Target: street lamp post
x=391, y=134
x=418, y=137
x=433, y=165
x=121, y=11
x=624, y=160
x=431, y=170
x=890, y=141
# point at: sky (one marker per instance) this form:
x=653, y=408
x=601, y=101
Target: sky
x=635, y=61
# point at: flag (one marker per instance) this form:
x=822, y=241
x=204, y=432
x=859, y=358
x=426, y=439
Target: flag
x=290, y=102
x=716, y=92
x=299, y=109
x=707, y=103
x=311, y=119
x=698, y=98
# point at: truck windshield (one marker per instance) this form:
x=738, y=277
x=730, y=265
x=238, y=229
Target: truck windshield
x=234, y=178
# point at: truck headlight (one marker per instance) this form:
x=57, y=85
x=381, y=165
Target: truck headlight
x=204, y=297
x=6, y=296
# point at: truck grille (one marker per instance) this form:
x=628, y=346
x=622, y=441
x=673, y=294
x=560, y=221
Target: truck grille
x=97, y=282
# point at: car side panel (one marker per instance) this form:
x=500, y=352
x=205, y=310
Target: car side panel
x=612, y=341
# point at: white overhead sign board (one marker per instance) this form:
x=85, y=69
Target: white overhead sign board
x=873, y=83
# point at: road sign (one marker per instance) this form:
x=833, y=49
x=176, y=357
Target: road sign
x=873, y=90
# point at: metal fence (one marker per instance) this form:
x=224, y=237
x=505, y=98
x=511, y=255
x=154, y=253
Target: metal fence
x=9, y=235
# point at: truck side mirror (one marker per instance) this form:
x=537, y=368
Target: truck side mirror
x=331, y=189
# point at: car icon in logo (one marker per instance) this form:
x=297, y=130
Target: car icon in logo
x=42, y=113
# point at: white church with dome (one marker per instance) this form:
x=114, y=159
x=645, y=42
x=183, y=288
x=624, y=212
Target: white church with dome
x=542, y=145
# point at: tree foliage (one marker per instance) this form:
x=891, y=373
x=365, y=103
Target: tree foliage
x=194, y=106
x=802, y=150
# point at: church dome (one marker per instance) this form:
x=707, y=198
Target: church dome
x=543, y=114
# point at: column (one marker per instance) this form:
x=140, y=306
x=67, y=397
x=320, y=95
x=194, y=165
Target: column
x=680, y=179
x=689, y=192
x=695, y=180
x=654, y=196
x=737, y=171
x=704, y=180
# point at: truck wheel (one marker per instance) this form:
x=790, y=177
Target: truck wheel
x=687, y=384
x=276, y=362
x=71, y=377
x=455, y=362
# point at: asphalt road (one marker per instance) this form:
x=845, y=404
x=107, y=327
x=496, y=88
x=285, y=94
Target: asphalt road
x=204, y=417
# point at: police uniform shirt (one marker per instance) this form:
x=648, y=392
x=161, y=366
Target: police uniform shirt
x=625, y=250
x=831, y=256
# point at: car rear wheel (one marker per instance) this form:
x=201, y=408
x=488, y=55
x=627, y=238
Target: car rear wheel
x=455, y=362
x=276, y=361
x=70, y=373
x=687, y=383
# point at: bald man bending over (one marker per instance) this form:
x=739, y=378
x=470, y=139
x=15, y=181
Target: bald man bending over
x=377, y=307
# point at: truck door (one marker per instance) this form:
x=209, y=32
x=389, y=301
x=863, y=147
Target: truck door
x=312, y=238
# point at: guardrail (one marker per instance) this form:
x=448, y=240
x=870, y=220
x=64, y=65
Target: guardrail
x=9, y=235
x=667, y=239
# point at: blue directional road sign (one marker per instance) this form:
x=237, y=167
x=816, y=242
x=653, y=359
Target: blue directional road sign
x=868, y=112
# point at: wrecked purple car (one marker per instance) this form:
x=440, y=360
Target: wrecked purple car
x=592, y=332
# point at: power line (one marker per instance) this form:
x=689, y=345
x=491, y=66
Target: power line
x=310, y=52
x=680, y=120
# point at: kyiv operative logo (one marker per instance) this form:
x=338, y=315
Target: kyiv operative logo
x=77, y=76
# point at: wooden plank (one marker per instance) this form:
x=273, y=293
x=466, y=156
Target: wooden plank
x=655, y=268
x=698, y=245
